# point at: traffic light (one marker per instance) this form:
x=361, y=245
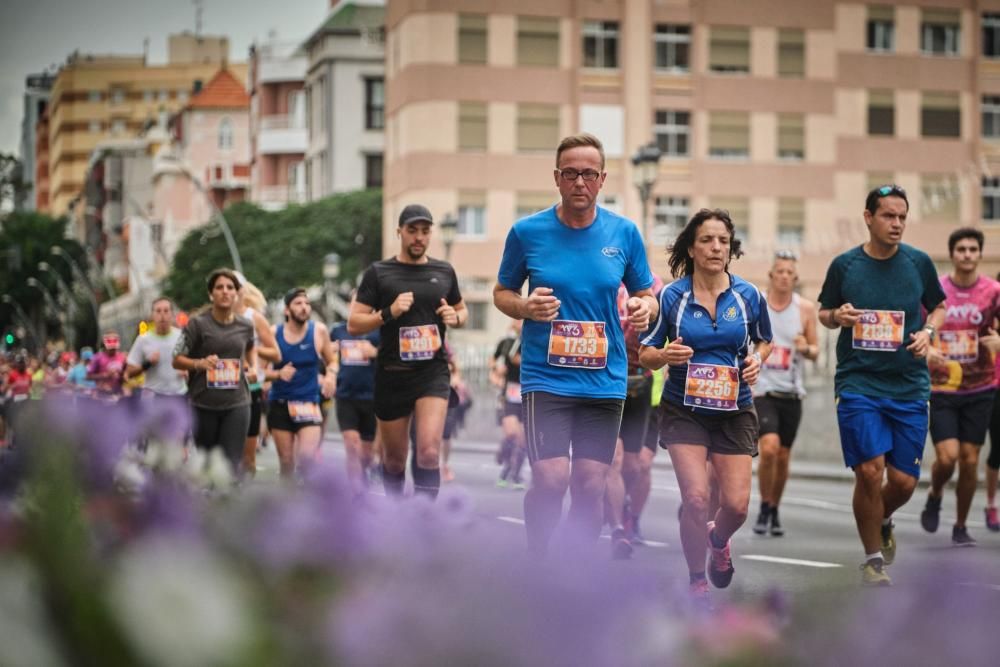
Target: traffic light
x=10, y=339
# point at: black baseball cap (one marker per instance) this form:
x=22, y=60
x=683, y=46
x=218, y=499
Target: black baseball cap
x=415, y=213
x=292, y=294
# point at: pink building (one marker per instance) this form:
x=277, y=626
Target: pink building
x=278, y=124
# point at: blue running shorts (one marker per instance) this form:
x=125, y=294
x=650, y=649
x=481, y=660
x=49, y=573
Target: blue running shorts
x=871, y=427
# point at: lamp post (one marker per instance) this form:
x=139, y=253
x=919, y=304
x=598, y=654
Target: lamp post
x=49, y=301
x=645, y=168
x=449, y=227
x=70, y=301
x=331, y=271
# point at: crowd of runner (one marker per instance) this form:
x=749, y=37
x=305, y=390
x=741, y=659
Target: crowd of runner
x=599, y=369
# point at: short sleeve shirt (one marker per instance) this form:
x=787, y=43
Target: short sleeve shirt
x=906, y=282
x=971, y=312
x=584, y=268
x=204, y=336
x=356, y=377
x=161, y=377
x=430, y=282
x=741, y=320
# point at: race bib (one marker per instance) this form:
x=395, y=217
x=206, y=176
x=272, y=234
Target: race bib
x=712, y=386
x=419, y=343
x=879, y=330
x=780, y=359
x=578, y=344
x=304, y=412
x=352, y=353
x=960, y=345
x=513, y=392
x=225, y=375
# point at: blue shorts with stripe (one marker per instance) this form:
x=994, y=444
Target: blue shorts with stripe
x=871, y=427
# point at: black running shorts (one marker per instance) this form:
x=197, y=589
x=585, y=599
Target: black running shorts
x=356, y=416
x=779, y=415
x=556, y=425
x=279, y=418
x=965, y=417
x=725, y=433
x=397, y=391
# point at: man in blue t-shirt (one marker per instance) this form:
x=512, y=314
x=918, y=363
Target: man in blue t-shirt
x=574, y=255
x=355, y=396
x=877, y=294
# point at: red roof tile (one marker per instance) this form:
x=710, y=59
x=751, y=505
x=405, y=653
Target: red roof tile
x=224, y=91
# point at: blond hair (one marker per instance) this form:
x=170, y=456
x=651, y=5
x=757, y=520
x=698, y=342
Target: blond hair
x=253, y=297
x=577, y=141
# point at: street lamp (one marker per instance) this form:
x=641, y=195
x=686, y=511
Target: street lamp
x=645, y=168
x=449, y=228
x=49, y=301
x=70, y=302
x=331, y=271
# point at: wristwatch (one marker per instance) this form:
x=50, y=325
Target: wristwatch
x=930, y=330
x=386, y=314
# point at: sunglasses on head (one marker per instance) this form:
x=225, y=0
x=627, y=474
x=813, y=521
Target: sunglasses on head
x=886, y=190
x=785, y=254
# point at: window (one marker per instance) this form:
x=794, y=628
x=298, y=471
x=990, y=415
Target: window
x=739, y=213
x=791, y=136
x=991, y=35
x=991, y=116
x=881, y=28
x=478, y=313
x=532, y=202
x=373, y=170
x=118, y=126
x=991, y=198
x=791, y=53
x=147, y=96
x=538, y=41
x=471, y=214
x=673, y=131
x=940, y=115
x=729, y=134
x=163, y=95
x=94, y=96
x=94, y=127
x=472, y=126
x=791, y=223
x=939, y=32
x=729, y=50
x=669, y=217
x=374, y=104
x=118, y=96
x=672, y=47
x=881, y=113
x=537, y=127
x=939, y=197
x=600, y=44
x=225, y=134
x=471, y=39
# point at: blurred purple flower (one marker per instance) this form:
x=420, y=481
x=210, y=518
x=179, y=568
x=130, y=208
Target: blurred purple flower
x=167, y=507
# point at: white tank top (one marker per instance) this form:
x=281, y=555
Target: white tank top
x=782, y=372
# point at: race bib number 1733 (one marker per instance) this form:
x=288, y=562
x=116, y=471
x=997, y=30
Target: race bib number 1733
x=575, y=344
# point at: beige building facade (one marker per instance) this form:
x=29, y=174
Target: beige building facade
x=783, y=112
x=98, y=98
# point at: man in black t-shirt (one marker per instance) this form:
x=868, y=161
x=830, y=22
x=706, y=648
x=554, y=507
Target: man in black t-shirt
x=506, y=374
x=412, y=299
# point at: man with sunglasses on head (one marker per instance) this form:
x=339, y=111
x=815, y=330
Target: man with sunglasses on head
x=963, y=380
x=780, y=389
x=877, y=294
x=412, y=299
x=574, y=369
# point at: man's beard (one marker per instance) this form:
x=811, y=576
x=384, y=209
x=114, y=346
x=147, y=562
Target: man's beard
x=415, y=254
x=299, y=320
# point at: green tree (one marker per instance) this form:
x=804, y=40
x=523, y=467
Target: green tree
x=26, y=238
x=281, y=249
x=13, y=184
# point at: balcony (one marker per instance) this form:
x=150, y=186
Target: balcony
x=273, y=197
x=281, y=134
x=228, y=176
x=282, y=69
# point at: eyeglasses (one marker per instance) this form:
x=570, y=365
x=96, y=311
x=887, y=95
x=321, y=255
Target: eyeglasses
x=886, y=190
x=571, y=175
x=786, y=254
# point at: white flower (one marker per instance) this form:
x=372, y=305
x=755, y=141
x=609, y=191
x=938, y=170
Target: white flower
x=129, y=476
x=25, y=638
x=180, y=604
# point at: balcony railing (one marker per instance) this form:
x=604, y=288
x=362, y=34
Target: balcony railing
x=282, y=122
x=279, y=195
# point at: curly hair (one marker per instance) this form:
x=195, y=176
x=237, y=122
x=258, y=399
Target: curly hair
x=680, y=262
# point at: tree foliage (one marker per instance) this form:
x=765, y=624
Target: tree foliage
x=281, y=249
x=13, y=184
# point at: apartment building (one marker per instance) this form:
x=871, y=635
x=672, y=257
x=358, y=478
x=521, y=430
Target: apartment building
x=345, y=99
x=36, y=98
x=277, y=72
x=785, y=113
x=96, y=98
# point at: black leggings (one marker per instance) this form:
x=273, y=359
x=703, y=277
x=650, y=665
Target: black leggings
x=222, y=428
x=994, y=460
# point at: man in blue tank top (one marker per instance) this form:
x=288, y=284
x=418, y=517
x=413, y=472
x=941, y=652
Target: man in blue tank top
x=293, y=414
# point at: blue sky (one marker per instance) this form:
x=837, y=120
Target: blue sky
x=43, y=32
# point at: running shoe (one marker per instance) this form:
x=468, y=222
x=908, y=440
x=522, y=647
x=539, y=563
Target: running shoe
x=931, y=516
x=720, y=562
x=446, y=474
x=760, y=527
x=776, y=529
x=634, y=533
x=518, y=486
x=888, y=543
x=501, y=483
x=992, y=520
x=699, y=597
x=873, y=573
x=621, y=548
x=960, y=537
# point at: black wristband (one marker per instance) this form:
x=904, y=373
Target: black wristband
x=386, y=314
x=146, y=365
